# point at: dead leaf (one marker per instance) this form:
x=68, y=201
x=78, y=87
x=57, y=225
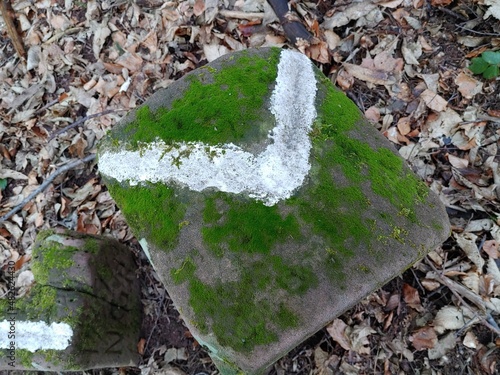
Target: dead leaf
x=467, y=242
x=471, y=341
x=404, y=125
x=373, y=114
x=131, y=61
x=433, y=100
x=378, y=77
x=443, y=346
x=411, y=297
x=468, y=86
x=141, y=346
x=337, y=331
x=440, y=3
x=344, y=80
x=359, y=338
x=490, y=247
x=457, y=162
x=424, y=338
x=25, y=279
x=449, y=318
x=198, y=7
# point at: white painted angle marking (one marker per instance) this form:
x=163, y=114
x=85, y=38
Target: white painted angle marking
x=33, y=336
x=270, y=176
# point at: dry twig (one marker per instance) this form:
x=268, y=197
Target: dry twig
x=9, y=17
x=46, y=183
x=82, y=120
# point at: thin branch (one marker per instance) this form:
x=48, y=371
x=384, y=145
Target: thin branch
x=9, y=17
x=46, y=183
x=477, y=32
x=241, y=15
x=295, y=31
x=82, y=120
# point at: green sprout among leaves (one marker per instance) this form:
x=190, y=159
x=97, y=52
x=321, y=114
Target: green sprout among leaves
x=486, y=64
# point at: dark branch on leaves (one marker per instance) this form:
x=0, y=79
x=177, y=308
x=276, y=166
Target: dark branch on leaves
x=294, y=30
x=46, y=183
x=9, y=17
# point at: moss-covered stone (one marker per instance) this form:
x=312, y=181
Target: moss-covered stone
x=251, y=275
x=86, y=283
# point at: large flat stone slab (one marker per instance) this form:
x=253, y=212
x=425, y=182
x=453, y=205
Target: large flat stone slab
x=83, y=312
x=266, y=202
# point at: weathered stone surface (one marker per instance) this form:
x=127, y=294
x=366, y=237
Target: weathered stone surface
x=266, y=202
x=83, y=312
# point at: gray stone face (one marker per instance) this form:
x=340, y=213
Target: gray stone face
x=266, y=202
x=84, y=310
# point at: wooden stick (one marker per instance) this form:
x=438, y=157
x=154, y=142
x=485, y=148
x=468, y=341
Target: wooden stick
x=295, y=31
x=46, y=183
x=82, y=120
x=9, y=17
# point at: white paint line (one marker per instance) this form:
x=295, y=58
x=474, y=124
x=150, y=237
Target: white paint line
x=270, y=176
x=34, y=336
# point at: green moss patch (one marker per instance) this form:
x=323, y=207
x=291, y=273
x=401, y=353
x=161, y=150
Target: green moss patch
x=152, y=210
x=55, y=257
x=219, y=112
x=245, y=226
x=244, y=313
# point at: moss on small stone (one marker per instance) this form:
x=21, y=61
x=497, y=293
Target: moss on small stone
x=25, y=357
x=55, y=256
x=151, y=209
x=41, y=303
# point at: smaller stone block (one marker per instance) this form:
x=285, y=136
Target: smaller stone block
x=83, y=311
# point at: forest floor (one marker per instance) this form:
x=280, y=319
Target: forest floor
x=403, y=62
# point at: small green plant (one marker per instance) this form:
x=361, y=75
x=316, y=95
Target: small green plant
x=486, y=64
x=3, y=183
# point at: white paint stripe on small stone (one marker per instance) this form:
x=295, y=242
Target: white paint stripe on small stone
x=33, y=336
x=270, y=176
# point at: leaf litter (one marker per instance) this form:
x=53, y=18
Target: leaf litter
x=403, y=62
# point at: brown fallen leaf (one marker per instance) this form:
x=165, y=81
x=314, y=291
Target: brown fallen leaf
x=490, y=247
x=337, y=331
x=378, y=77
x=411, y=297
x=424, y=338
x=440, y=3
x=373, y=114
x=404, y=125
x=457, y=162
x=433, y=100
x=468, y=86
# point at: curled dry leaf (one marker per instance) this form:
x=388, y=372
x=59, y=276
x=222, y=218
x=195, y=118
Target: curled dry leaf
x=479, y=225
x=25, y=279
x=378, y=77
x=467, y=242
x=424, y=338
x=449, y=317
x=468, y=86
x=373, y=114
x=433, y=100
x=359, y=338
x=490, y=247
x=337, y=331
x=344, y=79
x=471, y=341
x=471, y=281
x=443, y=346
x=411, y=297
x=457, y=162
